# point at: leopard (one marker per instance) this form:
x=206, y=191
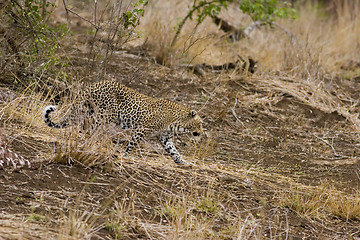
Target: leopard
x=110, y=102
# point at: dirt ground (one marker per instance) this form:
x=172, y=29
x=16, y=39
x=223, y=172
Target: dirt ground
x=262, y=143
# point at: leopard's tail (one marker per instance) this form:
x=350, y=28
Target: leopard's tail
x=47, y=120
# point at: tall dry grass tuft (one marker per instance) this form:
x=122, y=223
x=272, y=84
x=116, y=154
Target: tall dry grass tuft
x=183, y=219
x=343, y=42
x=323, y=41
x=323, y=202
x=79, y=224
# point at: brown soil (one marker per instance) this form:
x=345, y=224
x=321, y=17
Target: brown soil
x=259, y=143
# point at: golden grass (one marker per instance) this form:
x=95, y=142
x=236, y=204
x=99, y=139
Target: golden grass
x=298, y=69
x=195, y=216
x=323, y=41
x=194, y=44
x=79, y=224
x=323, y=202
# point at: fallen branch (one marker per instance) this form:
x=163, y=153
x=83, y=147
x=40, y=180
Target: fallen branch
x=248, y=65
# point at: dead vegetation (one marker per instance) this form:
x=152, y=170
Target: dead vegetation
x=324, y=203
x=280, y=160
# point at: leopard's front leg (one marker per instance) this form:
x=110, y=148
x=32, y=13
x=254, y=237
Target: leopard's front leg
x=167, y=142
x=135, y=138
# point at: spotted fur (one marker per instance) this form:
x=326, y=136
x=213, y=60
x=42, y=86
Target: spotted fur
x=111, y=102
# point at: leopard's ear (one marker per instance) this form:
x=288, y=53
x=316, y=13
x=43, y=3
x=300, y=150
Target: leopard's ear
x=193, y=113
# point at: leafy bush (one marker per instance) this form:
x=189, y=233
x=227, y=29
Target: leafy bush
x=28, y=18
x=28, y=43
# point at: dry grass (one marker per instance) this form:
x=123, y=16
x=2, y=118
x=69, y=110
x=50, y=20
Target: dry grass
x=323, y=202
x=314, y=52
x=196, y=44
x=220, y=197
x=314, y=93
x=79, y=225
x=189, y=217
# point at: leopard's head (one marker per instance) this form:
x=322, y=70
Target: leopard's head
x=193, y=123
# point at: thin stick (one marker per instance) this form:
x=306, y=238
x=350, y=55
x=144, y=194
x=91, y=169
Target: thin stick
x=327, y=142
x=82, y=18
x=234, y=113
